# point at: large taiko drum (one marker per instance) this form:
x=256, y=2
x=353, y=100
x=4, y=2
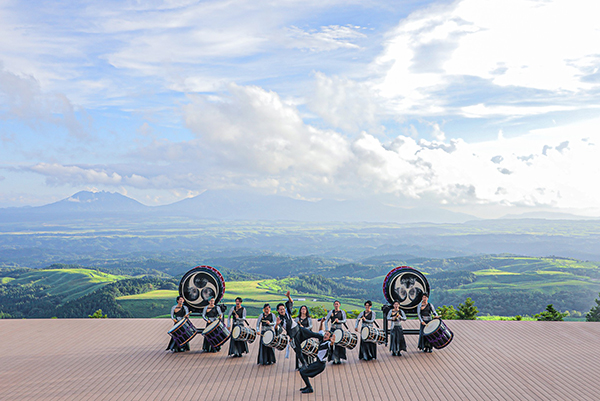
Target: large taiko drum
x=216, y=333
x=200, y=284
x=182, y=332
x=278, y=342
x=310, y=347
x=345, y=339
x=406, y=286
x=437, y=333
x=372, y=335
x=243, y=333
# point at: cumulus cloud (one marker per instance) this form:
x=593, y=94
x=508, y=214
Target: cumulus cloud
x=544, y=49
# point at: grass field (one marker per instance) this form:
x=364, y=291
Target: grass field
x=67, y=283
x=254, y=293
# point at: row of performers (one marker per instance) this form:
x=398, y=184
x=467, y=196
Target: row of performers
x=335, y=319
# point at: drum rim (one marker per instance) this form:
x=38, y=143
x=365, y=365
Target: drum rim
x=338, y=338
x=438, y=322
x=270, y=333
x=211, y=326
x=233, y=331
x=178, y=324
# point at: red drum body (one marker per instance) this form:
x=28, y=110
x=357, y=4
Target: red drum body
x=372, y=335
x=345, y=339
x=438, y=334
x=182, y=332
x=216, y=333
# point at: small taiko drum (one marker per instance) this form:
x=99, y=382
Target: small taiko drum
x=278, y=342
x=216, y=333
x=372, y=335
x=345, y=339
x=310, y=347
x=182, y=332
x=437, y=333
x=243, y=333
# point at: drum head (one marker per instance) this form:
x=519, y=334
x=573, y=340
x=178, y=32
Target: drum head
x=364, y=333
x=405, y=285
x=211, y=326
x=268, y=337
x=339, y=334
x=432, y=326
x=200, y=284
x=235, y=333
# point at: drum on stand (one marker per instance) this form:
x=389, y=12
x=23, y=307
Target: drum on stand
x=182, y=332
x=278, y=342
x=345, y=339
x=310, y=347
x=437, y=333
x=243, y=333
x=216, y=333
x=372, y=335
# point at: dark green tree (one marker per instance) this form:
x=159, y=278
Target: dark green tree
x=594, y=314
x=550, y=314
x=317, y=311
x=447, y=312
x=467, y=311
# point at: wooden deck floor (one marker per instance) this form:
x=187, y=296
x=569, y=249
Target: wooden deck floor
x=114, y=359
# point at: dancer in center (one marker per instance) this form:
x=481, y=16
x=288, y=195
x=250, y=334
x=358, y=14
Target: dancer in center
x=326, y=340
x=367, y=350
x=337, y=318
x=296, y=332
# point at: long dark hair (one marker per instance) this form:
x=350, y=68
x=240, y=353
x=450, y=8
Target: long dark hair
x=300, y=311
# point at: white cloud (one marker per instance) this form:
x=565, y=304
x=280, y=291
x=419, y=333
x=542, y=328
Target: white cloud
x=535, y=45
x=327, y=38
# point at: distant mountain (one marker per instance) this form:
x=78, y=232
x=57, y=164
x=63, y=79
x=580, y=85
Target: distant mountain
x=233, y=205
x=548, y=216
x=240, y=205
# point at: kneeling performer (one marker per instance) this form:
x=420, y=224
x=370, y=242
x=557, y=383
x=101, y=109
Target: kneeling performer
x=296, y=332
x=326, y=339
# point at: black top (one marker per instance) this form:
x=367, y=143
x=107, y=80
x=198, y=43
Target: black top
x=336, y=315
x=303, y=322
x=180, y=313
x=213, y=312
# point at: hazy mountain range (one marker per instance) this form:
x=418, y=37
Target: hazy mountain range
x=234, y=205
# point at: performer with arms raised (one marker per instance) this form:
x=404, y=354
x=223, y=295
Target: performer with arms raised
x=296, y=332
x=266, y=321
x=337, y=318
x=210, y=314
x=238, y=313
x=178, y=312
x=425, y=310
x=395, y=317
x=326, y=339
x=367, y=350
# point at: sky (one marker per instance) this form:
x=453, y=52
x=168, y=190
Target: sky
x=485, y=107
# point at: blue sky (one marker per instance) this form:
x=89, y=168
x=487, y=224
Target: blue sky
x=484, y=107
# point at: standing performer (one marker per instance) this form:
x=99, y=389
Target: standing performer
x=368, y=350
x=266, y=321
x=178, y=312
x=397, y=342
x=296, y=333
x=337, y=318
x=304, y=320
x=326, y=339
x=210, y=314
x=424, y=311
x=238, y=312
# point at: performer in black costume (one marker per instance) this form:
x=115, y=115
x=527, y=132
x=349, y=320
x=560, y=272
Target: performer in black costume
x=238, y=313
x=211, y=313
x=337, y=318
x=178, y=312
x=304, y=320
x=395, y=317
x=367, y=350
x=326, y=339
x=425, y=310
x=296, y=332
x=266, y=321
